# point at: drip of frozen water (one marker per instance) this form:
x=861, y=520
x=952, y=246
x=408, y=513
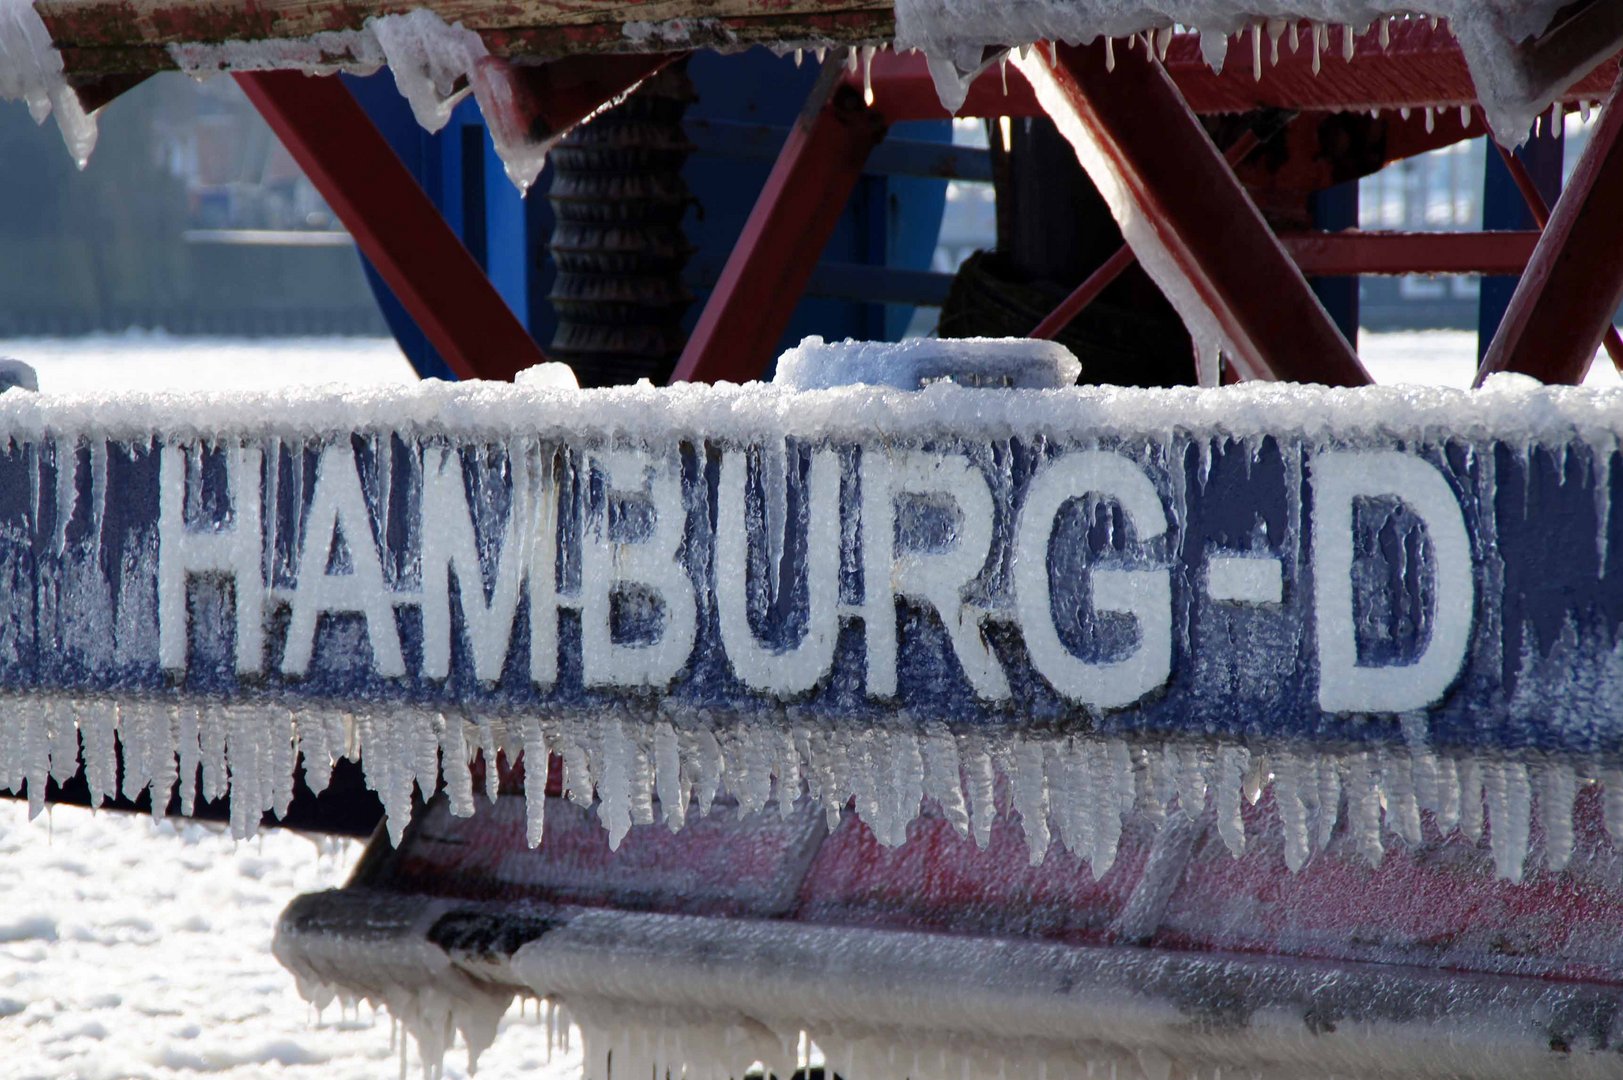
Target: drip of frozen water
x=31, y=71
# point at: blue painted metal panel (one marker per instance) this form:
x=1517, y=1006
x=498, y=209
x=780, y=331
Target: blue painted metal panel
x=1504, y=208
x=1056, y=574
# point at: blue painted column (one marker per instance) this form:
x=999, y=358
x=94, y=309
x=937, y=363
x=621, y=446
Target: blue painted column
x=1504, y=208
x=1333, y=210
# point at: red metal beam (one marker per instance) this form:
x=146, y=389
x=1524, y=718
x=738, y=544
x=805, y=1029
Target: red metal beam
x=1574, y=283
x=767, y=272
x=1421, y=67
x=1534, y=198
x=1147, y=152
x=440, y=285
x=1342, y=254
x=1113, y=267
x=542, y=102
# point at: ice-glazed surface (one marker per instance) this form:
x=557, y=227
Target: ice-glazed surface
x=1001, y=363
x=955, y=33
x=435, y=65
x=764, y=590
x=31, y=71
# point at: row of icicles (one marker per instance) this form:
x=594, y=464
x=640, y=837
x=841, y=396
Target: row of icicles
x=1318, y=34
x=1078, y=791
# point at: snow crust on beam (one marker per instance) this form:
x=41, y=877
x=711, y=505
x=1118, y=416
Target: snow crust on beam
x=31, y=71
x=1510, y=408
x=956, y=34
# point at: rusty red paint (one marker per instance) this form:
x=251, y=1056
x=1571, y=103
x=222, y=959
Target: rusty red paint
x=1133, y=121
x=1574, y=283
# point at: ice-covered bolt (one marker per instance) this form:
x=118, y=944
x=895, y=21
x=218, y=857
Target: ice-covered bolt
x=16, y=375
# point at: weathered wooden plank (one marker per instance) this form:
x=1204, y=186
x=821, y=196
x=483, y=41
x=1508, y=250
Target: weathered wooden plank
x=102, y=36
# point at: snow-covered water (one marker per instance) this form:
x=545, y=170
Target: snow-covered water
x=134, y=948
x=130, y=948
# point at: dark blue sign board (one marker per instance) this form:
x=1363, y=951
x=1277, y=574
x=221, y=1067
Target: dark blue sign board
x=1338, y=586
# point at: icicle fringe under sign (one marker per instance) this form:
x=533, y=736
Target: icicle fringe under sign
x=1361, y=571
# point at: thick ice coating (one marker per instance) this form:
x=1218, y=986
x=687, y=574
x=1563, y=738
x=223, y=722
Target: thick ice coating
x=31, y=71
x=1117, y=601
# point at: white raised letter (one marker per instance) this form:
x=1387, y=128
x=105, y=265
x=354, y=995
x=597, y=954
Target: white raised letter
x=939, y=577
x=338, y=506
x=798, y=669
x=650, y=561
x=1144, y=594
x=234, y=552
x=1339, y=477
x=525, y=553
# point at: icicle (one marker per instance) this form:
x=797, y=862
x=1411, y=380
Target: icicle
x=615, y=782
x=1471, y=799
x=1385, y=24
x=1292, y=811
x=62, y=739
x=943, y=780
x=536, y=761
x=1110, y=774
x=1071, y=798
x=1600, y=470
x=1510, y=808
x=668, y=783
x=1584, y=110
x=1110, y=53
x=1431, y=120
x=1465, y=116
x=98, y=724
x=707, y=752
x=458, y=772
x=1448, y=796
x=1363, y=806
x=1402, y=809
x=1317, y=63
x=67, y=491
x=1558, y=788
x=1612, y=801
x=188, y=740
x=1348, y=42
x=1256, y=52
x=1232, y=763
x=98, y=488
x=1296, y=43
x=867, y=75
x=982, y=807
x=800, y=56
x=1276, y=30
x=1191, y=773
x=577, y=773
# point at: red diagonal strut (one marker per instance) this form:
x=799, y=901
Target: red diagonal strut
x=771, y=263
x=438, y=282
x=1149, y=156
x=1574, y=283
